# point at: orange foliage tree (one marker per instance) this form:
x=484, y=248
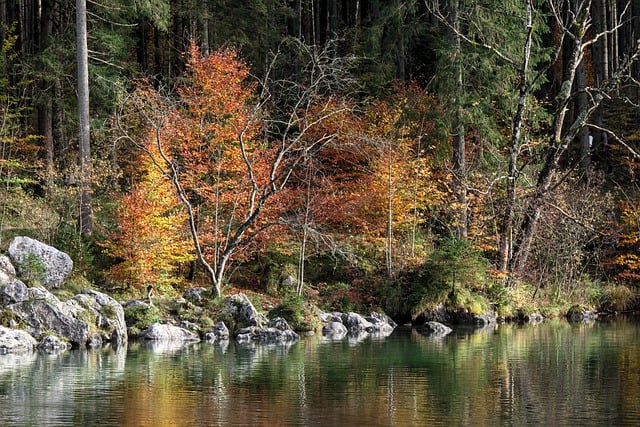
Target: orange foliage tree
x=228, y=156
x=151, y=238
x=372, y=183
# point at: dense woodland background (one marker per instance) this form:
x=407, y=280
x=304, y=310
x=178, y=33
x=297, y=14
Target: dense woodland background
x=386, y=153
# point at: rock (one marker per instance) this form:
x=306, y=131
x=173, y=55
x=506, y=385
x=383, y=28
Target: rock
x=13, y=292
x=534, y=318
x=330, y=317
x=108, y=314
x=277, y=331
x=190, y=326
x=7, y=271
x=135, y=303
x=42, y=262
x=42, y=312
x=289, y=282
x=164, y=332
x=356, y=323
x=479, y=320
x=437, y=314
x=51, y=344
x=15, y=341
x=94, y=342
x=434, y=329
x=581, y=314
x=219, y=332
x=195, y=295
x=268, y=335
x=334, y=330
x=243, y=312
x=381, y=323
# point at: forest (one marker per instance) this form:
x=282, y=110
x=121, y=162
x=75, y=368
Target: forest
x=350, y=153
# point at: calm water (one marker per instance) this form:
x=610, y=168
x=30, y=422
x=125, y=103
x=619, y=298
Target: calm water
x=551, y=374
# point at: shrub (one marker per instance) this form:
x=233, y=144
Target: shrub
x=140, y=317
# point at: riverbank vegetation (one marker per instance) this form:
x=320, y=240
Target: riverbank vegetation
x=346, y=155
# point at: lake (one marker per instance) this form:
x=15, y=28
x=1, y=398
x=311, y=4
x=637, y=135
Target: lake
x=555, y=373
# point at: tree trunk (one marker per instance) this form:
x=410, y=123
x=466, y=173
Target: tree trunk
x=458, y=130
x=557, y=147
x=506, y=235
x=584, y=137
x=86, y=214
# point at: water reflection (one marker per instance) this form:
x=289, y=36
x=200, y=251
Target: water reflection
x=555, y=373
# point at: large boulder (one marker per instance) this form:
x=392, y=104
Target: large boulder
x=334, y=330
x=108, y=314
x=357, y=323
x=15, y=341
x=242, y=311
x=42, y=312
x=165, y=332
x=39, y=261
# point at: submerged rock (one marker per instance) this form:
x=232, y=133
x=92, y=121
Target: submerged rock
x=39, y=261
x=434, y=329
x=219, y=332
x=51, y=344
x=15, y=341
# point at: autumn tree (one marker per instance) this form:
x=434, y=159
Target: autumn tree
x=151, y=240
x=230, y=146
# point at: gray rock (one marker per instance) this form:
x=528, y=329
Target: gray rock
x=243, y=312
x=7, y=271
x=268, y=335
x=331, y=317
x=52, y=344
x=585, y=316
x=94, y=342
x=381, y=323
x=13, y=292
x=135, y=303
x=15, y=341
x=435, y=329
x=334, y=330
x=356, y=323
x=43, y=312
x=289, y=282
x=45, y=263
x=279, y=323
x=219, y=332
x=437, y=314
x=164, y=332
x=534, y=318
x=109, y=315
x=185, y=324
x=479, y=320
x=195, y=295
